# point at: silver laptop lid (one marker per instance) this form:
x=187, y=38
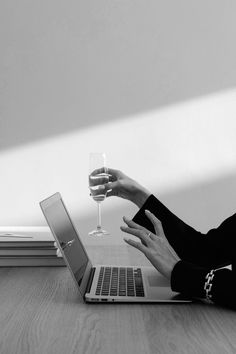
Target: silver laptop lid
x=67, y=239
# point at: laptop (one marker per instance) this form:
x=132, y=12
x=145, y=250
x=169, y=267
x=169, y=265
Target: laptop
x=103, y=283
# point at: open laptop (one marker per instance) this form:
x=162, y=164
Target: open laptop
x=103, y=283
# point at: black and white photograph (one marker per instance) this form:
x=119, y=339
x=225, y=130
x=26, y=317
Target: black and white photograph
x=117, y=177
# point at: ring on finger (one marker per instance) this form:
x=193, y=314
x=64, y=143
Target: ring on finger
x=149, y=234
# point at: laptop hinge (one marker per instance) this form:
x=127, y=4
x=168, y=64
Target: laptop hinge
x=91, y=276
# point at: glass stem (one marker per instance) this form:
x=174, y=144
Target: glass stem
x=99, y=227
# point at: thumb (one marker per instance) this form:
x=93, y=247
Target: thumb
x=111, y=189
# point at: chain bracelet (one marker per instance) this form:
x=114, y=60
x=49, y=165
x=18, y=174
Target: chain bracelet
x=208, y=285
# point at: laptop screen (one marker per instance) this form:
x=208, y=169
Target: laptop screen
x=63, y=229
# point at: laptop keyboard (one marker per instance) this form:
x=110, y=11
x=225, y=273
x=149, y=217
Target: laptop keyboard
x=120, y=281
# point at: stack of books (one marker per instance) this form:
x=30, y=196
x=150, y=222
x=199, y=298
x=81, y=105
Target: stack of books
x=28, y=247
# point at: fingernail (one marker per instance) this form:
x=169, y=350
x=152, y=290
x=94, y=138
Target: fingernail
x=147, y=211
x=125, y=239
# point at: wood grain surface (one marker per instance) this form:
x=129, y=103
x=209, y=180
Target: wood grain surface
x=41, y=312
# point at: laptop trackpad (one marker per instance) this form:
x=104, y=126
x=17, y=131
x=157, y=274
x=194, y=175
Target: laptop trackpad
x=155, y=280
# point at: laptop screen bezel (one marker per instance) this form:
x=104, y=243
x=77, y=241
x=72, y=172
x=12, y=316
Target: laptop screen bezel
x=48, y=202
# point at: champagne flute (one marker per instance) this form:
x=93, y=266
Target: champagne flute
x=98, y=176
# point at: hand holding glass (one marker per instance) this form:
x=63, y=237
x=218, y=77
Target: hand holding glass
x=96, y=182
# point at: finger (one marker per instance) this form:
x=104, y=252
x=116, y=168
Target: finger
x=97, y=188
x=138, y=233
x=133, y=224
x=113, y=174
x=153, y=237
x=137, y=245
x=156, y=223
x=159, y=230
x=112, y=171
x=99, y=170
x=111, y=189
x=96, y=180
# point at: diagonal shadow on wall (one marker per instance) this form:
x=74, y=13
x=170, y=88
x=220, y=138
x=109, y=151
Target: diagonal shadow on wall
x=90, y=65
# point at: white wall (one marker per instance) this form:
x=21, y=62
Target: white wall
x=151, y=83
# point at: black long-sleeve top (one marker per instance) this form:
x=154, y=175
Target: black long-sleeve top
x=199, y=253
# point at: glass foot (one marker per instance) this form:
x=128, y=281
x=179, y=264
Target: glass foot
x=99, y=232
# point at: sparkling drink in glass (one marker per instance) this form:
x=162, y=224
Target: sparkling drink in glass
x=98, y=176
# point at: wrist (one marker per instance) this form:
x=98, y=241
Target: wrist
x=140, y=196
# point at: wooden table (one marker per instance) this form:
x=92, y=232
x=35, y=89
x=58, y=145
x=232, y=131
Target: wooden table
x=40, y=312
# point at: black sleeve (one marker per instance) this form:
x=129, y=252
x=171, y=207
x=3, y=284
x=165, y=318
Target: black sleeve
x=199, y=253
x=214, y=249
x=189, y=279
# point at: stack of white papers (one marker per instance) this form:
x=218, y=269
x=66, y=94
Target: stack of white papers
x=28, y=246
